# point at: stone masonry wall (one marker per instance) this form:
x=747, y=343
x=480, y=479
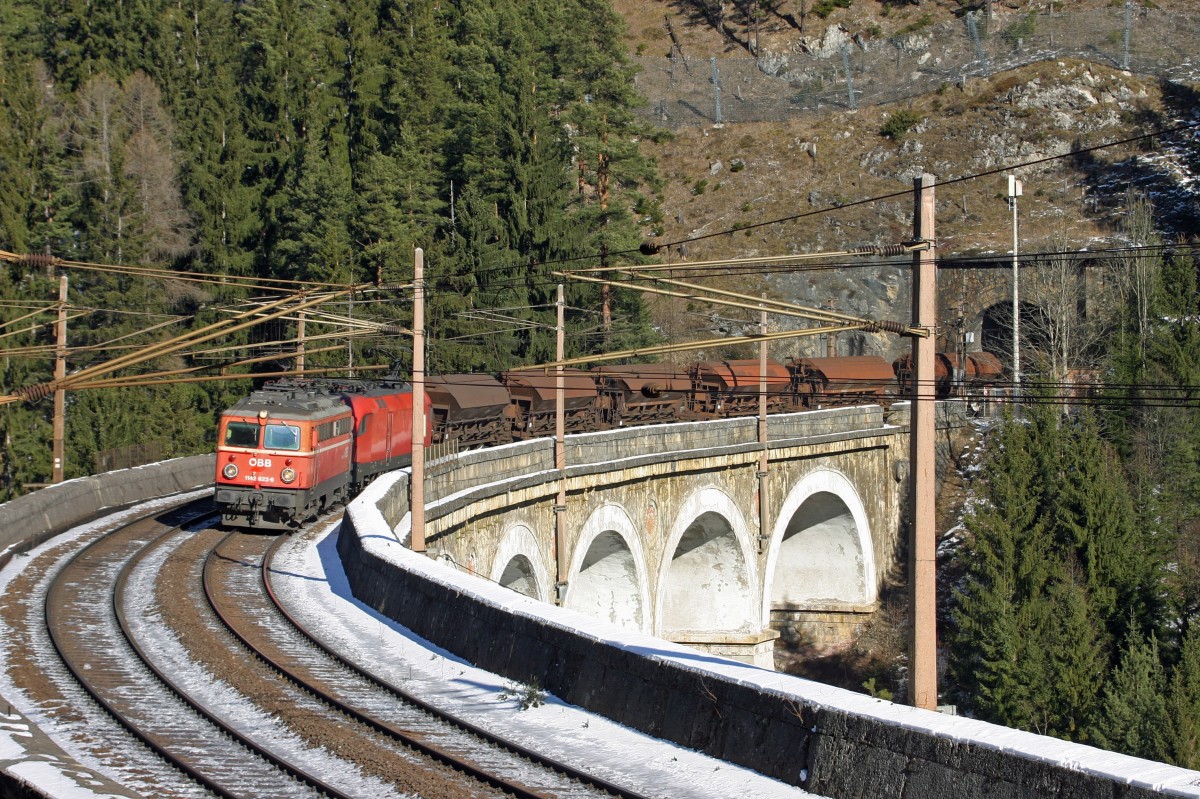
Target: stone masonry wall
x=826, y=740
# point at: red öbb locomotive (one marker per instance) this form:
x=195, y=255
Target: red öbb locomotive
x=293, y=448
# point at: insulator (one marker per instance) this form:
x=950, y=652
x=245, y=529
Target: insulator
x=34, y=393
x=885, y=326
x=649, y=248
x=45, y=261
x=891, y=249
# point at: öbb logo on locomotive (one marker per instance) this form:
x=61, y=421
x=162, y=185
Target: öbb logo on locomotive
x=294, y=447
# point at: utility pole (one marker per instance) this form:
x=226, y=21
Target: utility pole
x=830, y=338
x=350, y=339
x=923, y=543
x=417, y=488
x=605, y=297
x=560, y=455
x=764, y=534
x=60, y=395
x=1014, y=191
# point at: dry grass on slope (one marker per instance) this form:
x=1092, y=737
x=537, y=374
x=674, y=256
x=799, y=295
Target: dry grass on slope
x=737, y=177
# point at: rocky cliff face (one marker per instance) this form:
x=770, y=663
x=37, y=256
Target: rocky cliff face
x=1050, y=123
x=843, y=178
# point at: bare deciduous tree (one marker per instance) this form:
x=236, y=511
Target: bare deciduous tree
x=1136, y=272
x=97, y=133
x=124, y=139
x=150, y=165
x=1065, y=333
x=160, y=215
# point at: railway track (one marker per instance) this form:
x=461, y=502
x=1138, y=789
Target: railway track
x=162, y=633
x=97, y=616
x=235, y=576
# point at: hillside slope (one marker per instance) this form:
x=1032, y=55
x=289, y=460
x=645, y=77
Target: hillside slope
x=817, y=170
x=724, y=187
x=704, y=28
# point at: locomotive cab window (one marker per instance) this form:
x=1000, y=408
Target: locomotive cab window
x=241, y=434
x=282, y=436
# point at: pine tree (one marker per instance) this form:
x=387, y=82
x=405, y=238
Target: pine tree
x=283, y=74
x=1134, y=717
x=217, y=175
x=312, y=228
x=1185, y=703
x=1069, y=647
x=1007, y=570
x=362, y=86
x=24, y=429
x=1093, y=518
x=1056, y=570
x=1169, y=441
x=18, y=126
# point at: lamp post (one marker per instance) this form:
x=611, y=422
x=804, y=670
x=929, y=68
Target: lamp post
x=1014, y=191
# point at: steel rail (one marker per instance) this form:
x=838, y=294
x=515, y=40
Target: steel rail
x=405, y=737
x=84, y=675
x=192, y=767
x=410, y=698
x=229, y=730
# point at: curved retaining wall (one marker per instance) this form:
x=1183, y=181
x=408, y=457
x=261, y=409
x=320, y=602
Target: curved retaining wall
x=28, y=521
x=34, y=518
x=829, y=741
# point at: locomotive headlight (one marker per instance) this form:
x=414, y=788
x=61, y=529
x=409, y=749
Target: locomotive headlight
x=230, y=471
x=288, y=475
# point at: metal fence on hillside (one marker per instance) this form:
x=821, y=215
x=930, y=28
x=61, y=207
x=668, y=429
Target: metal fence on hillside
x=850, y=72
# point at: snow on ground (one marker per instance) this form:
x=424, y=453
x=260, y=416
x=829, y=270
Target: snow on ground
x=29, y=735
x=59, y=780
x=56, y=777
x=309, y=578
x=1121, y=769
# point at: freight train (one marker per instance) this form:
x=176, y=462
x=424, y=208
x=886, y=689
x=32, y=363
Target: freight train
x=296, y=447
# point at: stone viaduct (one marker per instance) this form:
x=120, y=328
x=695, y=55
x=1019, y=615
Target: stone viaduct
x=663, y=526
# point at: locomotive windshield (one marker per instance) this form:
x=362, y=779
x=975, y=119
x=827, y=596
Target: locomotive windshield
x=282, y=436
x=241, y=434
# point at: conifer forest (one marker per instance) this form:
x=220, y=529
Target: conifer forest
x=306, y=141
x=1075, y=587
x=309, y=141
